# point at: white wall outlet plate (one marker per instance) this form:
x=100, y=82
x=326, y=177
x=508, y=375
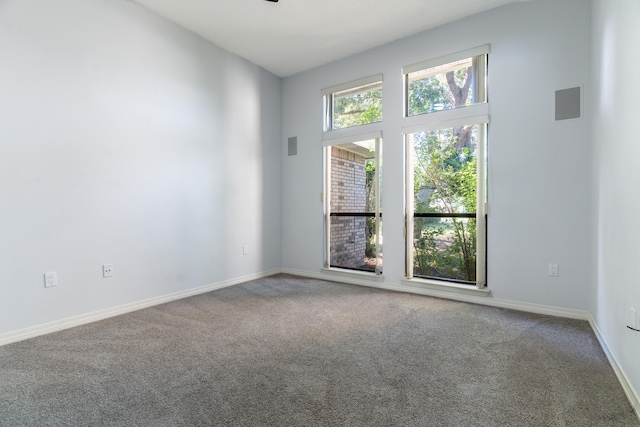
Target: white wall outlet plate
x=107, y=270
x=50, y=279
x=245, y=250
x=553, y=270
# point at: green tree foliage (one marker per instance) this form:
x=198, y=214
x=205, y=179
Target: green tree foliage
x=440, y=92
x=357, y=109
x=427, y=95
x=370, y=171
x=444, y=182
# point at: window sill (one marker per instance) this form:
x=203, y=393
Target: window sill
x=353, y=274
x=445, y=286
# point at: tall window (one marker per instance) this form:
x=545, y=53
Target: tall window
x=446, y=168
x=353, y=219
x=445, y=193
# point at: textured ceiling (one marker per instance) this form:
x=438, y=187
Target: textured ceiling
x=296, y=35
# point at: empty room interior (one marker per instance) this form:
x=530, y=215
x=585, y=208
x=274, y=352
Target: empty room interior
x=224, y=175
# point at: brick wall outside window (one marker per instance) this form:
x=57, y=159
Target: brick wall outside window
x=348, y=194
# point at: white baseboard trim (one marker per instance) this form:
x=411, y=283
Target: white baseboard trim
x=448, y=294
x=83, y=319
x=631, y=393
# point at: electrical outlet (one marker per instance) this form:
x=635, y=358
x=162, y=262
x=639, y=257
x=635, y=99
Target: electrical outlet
x=107, y=270
x=245, y=250
x=553, y=270
x=50, y=279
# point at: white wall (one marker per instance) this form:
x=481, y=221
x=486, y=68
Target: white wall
x=539, y=169
x=616, y=38
x=125, y=139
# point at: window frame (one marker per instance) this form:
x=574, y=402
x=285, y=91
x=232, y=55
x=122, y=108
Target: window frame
x=479, y=57
x=327, y=146
x=328, y=97
x=336, y=137
x=480, y=214
x=476, y=114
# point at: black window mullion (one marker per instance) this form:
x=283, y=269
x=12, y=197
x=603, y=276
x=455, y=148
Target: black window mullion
x=443, y=215
x=358, y=214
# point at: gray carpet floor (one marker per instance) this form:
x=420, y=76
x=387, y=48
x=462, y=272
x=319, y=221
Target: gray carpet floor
x=289, y=351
